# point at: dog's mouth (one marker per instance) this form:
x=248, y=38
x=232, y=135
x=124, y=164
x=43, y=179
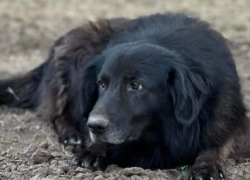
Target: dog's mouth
x=112, y=138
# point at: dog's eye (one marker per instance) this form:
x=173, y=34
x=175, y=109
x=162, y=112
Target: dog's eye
x=136, y=86
x=102, y=85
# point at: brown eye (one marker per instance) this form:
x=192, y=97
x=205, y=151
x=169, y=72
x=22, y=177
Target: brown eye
x=136, y=86
x=102, y=85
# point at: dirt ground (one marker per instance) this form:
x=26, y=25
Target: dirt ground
x=28, y=146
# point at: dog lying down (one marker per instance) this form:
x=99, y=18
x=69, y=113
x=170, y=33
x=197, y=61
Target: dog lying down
x=159, y=91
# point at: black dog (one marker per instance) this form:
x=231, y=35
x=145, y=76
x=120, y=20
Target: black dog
x=157, y=92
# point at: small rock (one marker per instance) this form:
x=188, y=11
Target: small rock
x=54, y=162
x=4, y=166
x=145, y=178
x=112, y=168
x=112, y=178
x=136, y=177
x=132, y=171
x=49, y=178
x=97, y=173
x=13, y=167
x=149, y=173
x=57, y=171
x=100, y=177
x=56, y=154
x=122, y=177
x=44, y=145
x=42, y=172
x=40, y=156
x=80, y=175
x=2, y=158
x=7, y=175
x=36, y=177
x=83, y=170
x=76, y=178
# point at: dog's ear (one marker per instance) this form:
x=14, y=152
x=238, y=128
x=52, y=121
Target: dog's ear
x=188, y=91
x=89, y=85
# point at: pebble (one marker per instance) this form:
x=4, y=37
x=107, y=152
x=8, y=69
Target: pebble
x=100, y=177
x=132, y=171
x=2, y=158
x=41, y=156
x=83, y=170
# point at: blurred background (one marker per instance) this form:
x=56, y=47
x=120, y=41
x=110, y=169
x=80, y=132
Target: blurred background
x=29, y=27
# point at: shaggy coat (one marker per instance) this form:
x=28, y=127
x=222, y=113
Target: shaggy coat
x=159, y=91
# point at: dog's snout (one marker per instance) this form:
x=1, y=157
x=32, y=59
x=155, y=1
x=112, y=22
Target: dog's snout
x=97, y=124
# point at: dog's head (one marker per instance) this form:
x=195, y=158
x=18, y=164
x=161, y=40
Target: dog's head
x=138, y=84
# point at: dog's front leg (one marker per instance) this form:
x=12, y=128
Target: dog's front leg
x=93, y=157
x=210, y=164
x=68, y=135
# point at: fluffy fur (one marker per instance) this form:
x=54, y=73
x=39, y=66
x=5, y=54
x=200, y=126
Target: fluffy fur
x=187, y=110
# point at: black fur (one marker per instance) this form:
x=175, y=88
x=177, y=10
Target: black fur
x=189, y=109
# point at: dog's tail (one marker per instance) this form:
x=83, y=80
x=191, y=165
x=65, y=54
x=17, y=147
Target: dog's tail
x=22, y=91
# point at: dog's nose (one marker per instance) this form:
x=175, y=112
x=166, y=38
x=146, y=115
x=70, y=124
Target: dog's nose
x=97, y=125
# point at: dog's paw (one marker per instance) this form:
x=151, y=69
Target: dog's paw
x=88, y=160
x=207, y=171
x=71, y=139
